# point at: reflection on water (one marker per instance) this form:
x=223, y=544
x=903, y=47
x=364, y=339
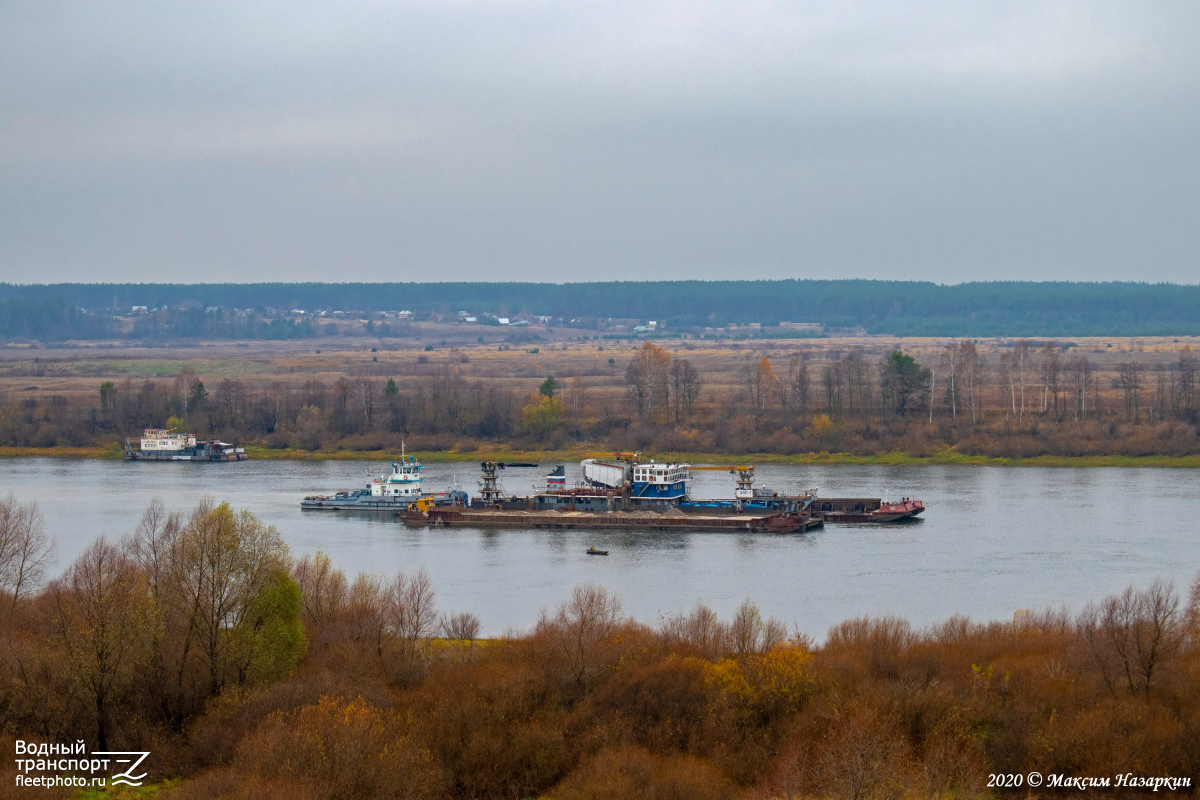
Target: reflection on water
x=993, y=540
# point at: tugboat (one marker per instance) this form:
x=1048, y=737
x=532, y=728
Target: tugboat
x=161, y=445
x=388, y=492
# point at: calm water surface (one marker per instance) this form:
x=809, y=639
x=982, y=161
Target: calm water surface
x=994, y=539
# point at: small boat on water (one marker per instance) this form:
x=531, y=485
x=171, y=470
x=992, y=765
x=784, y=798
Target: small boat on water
x=592, y=551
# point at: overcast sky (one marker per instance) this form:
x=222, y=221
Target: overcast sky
x=440, y=140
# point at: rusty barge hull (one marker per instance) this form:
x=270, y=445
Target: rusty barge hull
x=637, y=520
x=866, y=509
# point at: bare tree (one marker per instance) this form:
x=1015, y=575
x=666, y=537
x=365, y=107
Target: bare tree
x=1129, y=380
x=1134, y=636
x=1186, y=370
x=971, y=370
x=701, y=629
x=1051, y=368
x=799, y=388
x=750, y=633
x=323, y=588
x=685, y=386
x=366, y=392
x=1081, y=383
x=577, y=397
x=950, y=363
x=26, y=550
x=581, y=628
x=414, y=616
x=462, y=627
x=185, y=383
x=1021, y=354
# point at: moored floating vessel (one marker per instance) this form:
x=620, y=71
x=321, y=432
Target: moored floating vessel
x=867, y=509
x=162, y=445
x=389, y=492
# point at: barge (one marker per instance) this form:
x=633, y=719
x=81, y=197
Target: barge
x=672, y=520
x=161, y=445
x=651, y=501
x=867, y=509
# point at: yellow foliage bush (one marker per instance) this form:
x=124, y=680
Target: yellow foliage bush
x=775, y=682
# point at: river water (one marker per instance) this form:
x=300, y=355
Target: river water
x=993, y=539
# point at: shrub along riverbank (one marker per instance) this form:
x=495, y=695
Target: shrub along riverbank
x=249, y=674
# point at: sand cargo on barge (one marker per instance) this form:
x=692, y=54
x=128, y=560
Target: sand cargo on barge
x=644, y=497
x=670, y=520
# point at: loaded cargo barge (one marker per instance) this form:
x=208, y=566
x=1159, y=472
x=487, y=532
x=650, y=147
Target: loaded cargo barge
x=650, y=501
x=672, y=520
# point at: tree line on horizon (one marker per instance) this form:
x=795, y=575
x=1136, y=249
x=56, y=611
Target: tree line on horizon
x=248, y=673
x=1034, y=398
x=903, y=308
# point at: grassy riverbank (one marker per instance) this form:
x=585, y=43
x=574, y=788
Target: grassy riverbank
x=944, y=456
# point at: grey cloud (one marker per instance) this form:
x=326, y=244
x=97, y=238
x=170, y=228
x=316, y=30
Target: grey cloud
x=448, y=140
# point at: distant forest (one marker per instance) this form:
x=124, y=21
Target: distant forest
x=56, y=312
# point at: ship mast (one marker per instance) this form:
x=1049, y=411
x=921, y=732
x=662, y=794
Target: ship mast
x=490, y=491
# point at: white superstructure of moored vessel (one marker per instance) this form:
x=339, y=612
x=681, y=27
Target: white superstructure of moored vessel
x=156, y=440
x=157, y=444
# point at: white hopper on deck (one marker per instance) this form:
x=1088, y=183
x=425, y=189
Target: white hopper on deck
x=600, y=472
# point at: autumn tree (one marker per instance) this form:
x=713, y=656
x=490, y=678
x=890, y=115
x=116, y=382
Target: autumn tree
x=103, y=615
x=211, y=577
x=647, y=379
x=541, y=415
x=762, y=386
